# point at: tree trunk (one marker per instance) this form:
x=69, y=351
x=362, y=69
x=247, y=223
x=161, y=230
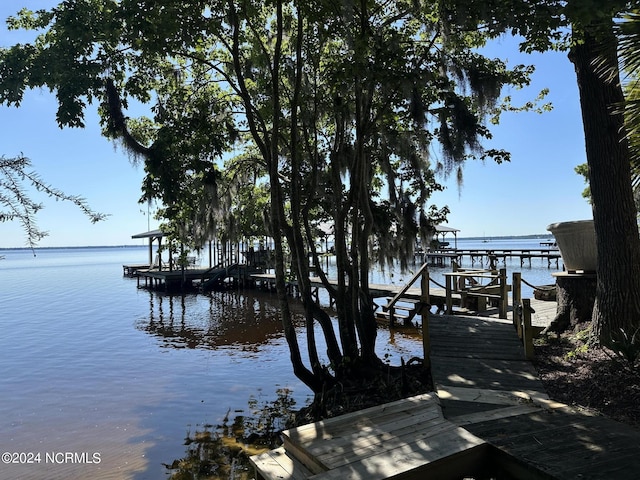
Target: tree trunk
x=576, y=295
x=617, y=304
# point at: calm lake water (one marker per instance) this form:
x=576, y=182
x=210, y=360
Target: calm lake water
x=102, y=380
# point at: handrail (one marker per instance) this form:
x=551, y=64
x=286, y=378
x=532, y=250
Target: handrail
x=211, y=269
x=501, y=284
x=404, y=289
x=471, y=274
x=537, y=287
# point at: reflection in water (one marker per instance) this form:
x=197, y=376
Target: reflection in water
x=223, y=451
x=245, y=320
x=240, y=326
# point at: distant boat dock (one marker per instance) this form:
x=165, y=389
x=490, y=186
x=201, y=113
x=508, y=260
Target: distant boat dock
x=466, y=291
x=484, y=256
x=203, y=279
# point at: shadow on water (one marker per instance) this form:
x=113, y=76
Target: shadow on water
x=222, y=451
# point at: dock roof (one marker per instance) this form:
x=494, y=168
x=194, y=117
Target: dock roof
x=445, y=229
x=150, y=234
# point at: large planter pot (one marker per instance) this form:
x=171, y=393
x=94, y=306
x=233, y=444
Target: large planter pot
x=577, y=243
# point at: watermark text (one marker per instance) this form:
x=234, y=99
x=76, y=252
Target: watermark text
x=59, y=458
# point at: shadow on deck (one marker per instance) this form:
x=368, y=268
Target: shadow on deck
x=490, y=418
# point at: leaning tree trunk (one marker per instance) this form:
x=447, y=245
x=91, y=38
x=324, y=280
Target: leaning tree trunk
x=617, y=304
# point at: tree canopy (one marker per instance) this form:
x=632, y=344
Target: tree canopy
x=341, y=111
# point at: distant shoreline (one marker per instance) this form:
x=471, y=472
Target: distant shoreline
x=536, y=236
x=73, y=247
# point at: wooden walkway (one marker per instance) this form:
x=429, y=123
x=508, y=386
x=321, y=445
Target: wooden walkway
x=486, y=386
x=490, y=418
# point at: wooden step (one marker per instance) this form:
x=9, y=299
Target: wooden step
x=404, y=308
x=278, y=464
x=414, y=301
x=407, y=439
x=387, y=315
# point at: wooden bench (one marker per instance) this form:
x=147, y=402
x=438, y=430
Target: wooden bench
x=481, y=294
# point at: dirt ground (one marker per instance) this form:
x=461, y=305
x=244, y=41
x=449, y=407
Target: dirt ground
x=589, y=378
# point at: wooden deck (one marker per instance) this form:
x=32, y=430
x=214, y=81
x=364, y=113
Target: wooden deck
x=169, y=280
x=189, y=278
x=544, y=310
x=437, y=295
x=490, y=412
x=406, y=439
x=481, y=354
x=489, y=389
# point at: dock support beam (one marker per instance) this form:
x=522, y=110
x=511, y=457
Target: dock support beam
x=527, y=331
x=425, y=300
x=515, y=300
x=504, y=294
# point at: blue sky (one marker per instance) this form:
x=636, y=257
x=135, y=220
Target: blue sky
x=537, y=188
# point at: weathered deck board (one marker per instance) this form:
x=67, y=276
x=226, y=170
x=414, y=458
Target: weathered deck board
x=555, y=439
x=567, y=445
x=278, y=464
x=380, y=442
x=412, y=460
x=477, y=353
x=403, y=439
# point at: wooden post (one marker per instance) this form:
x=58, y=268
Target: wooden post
x=527, y=333
x=159, y=254
x=150, y=252
x=448, y=291
x=504, y=294
x=424, y=313
x=425, y=298
x=516, y=298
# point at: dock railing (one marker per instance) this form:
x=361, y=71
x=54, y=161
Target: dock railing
x=469, y=283
x=423, y=274
x=522, y=313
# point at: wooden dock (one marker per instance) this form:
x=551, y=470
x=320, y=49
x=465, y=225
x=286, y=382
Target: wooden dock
x=489, y=417
x=485, y=256
x=202, y=279
x=544, y=310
